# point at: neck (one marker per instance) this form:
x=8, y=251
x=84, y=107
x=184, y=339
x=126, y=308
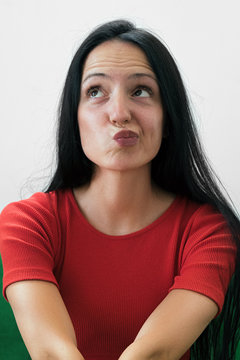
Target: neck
x=120, y=202
x=120, y=191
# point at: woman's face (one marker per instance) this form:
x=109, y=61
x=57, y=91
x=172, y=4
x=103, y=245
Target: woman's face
x=120, y=114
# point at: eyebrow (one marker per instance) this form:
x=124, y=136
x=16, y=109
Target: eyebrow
x=139, y=75
x=136, y=76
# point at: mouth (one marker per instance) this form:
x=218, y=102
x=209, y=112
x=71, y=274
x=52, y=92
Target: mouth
x=126, y=138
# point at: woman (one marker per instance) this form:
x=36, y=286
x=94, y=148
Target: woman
x=130, y=251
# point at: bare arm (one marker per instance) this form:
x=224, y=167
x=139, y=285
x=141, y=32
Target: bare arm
x=43, y=320
x=172, y=327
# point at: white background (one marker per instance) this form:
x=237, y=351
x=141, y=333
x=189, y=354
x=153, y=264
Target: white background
x=38, y=39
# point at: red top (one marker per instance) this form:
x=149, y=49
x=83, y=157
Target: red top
x=111, y=284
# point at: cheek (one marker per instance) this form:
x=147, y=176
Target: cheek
x=90, y=129
x=90, y=121
x=153, y=128
x=85, y=129
x=86, y=124
x=153, y=125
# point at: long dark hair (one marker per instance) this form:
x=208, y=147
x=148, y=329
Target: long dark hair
x=180, y=166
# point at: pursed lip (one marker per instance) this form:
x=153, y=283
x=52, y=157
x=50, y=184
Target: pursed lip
x=125, y=134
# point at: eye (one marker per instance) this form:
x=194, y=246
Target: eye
x=143, y=91
x=95, y=92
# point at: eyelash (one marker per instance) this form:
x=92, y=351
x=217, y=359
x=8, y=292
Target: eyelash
x=144, y=87
x=139, y=87
x=92, y=88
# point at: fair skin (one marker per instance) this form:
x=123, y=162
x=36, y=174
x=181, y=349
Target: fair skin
x=118, y=92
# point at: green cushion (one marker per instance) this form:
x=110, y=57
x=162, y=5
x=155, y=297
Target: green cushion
x=11, y=343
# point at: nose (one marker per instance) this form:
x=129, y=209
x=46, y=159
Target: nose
x=119, y=111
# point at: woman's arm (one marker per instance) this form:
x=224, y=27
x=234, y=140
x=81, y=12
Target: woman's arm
x=43, y=320
x=172, y=327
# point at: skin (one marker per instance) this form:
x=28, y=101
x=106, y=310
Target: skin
x=119, y=200
x=119, y=98
x=119, y=91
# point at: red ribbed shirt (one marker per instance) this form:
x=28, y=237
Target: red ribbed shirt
x=111, y=284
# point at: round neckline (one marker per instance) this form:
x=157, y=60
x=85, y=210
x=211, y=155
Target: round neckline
x=156, y=222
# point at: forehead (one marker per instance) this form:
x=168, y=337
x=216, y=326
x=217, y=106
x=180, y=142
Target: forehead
x=116, y=54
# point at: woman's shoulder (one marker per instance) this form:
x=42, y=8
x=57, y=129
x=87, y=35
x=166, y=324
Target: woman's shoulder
x=195, y=209
x=30, y=233
x=35, y=219
x=37, y=202
x=203, y=222
x=194, y=216
x=41, y=208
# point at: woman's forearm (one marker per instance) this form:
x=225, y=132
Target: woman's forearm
x=141, y=350
x=63, y=353
x=43, y=320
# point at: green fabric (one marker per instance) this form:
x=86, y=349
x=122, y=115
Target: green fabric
x=11, y=343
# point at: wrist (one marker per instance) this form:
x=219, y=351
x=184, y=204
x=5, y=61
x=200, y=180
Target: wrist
x=71, y=353
x=62, y=353
x=140, y=350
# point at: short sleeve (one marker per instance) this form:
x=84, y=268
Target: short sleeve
x=207, y=256
x=28, y=240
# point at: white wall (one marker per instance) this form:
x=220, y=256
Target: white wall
x=38, y=39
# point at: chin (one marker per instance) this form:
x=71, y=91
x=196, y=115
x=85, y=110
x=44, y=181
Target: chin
x=126, y=166
x=121, y=163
